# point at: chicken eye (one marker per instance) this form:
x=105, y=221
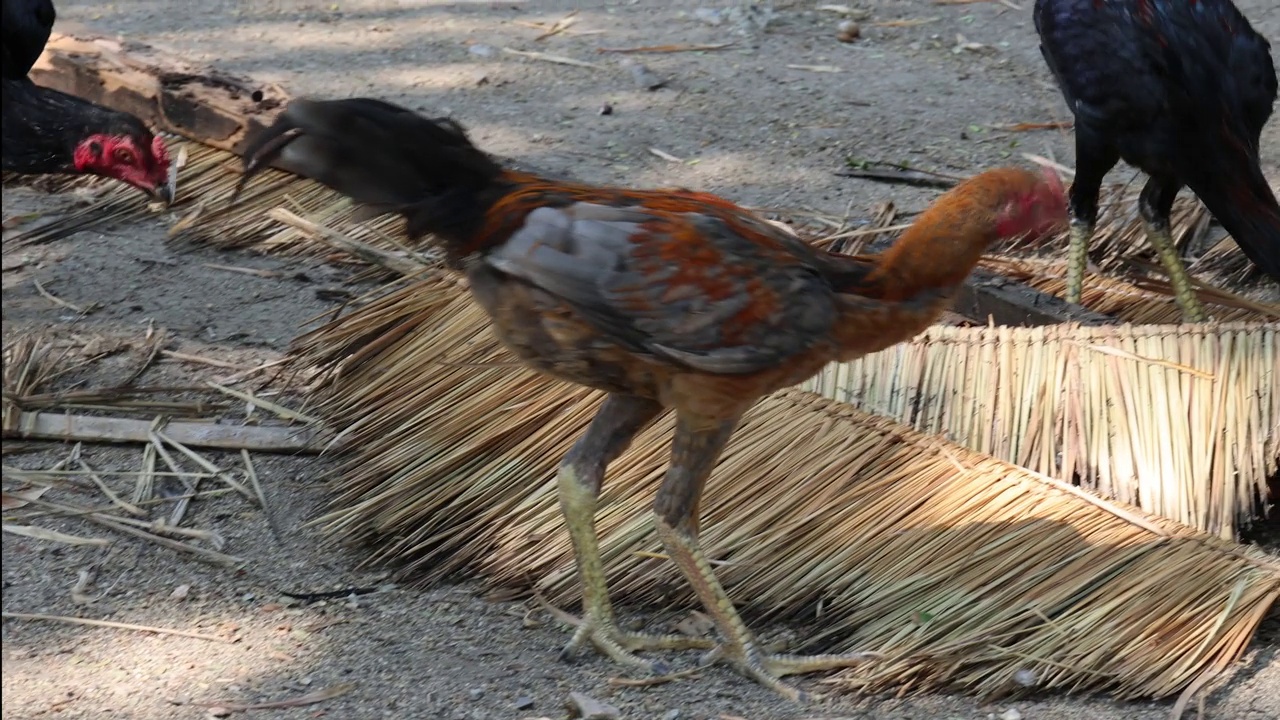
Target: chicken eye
x=124, y=155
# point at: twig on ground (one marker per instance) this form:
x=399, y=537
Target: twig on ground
x=548, y=57
x=258, y=438
x=202, y=360
x=59, y=301
x=311, y=699
x=112, y=624
x=666, y=48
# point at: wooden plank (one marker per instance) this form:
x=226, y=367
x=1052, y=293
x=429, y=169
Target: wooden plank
x=90, y=428
x=1008, y=302
x=165, y=91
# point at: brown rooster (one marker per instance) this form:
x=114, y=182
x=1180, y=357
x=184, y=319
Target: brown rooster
x=662, y=299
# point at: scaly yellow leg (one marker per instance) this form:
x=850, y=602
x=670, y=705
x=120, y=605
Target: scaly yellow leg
x=697, y=445
x=740, y=648
x=598, y=625
x=1162, y=239
x=579, y=479
x=1077, y=257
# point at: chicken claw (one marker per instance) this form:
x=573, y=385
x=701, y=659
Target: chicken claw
x=740, y=648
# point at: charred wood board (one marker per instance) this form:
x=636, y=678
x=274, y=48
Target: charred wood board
x=165, y=91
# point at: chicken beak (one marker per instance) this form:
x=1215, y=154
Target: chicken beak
x=164, y=193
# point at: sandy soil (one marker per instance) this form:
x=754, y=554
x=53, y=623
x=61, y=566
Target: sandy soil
x=762, y=131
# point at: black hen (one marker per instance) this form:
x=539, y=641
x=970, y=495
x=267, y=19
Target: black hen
x=1179, y=89
x=47, y=131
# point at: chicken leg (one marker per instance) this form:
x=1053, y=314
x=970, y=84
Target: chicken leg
x=697, y=445
x=1154, y=205
x=1094, y=158
x=618, y=421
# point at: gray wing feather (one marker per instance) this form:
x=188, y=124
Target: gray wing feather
x=583, y=254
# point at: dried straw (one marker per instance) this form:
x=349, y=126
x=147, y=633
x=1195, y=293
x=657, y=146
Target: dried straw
x=1182, y=421
x=210, y=175
x=962, y=569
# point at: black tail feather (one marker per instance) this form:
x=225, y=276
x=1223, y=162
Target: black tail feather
x=381, y=155
x=1247, y=209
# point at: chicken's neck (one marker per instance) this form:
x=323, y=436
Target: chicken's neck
x=936, y=253
x=944, y=244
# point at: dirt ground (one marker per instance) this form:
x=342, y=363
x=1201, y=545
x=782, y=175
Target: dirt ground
x=764, y=122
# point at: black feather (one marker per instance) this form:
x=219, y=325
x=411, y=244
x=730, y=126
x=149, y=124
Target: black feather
x=27, y=24
x=1181, y=90
x=381, y=155
x=41, y=126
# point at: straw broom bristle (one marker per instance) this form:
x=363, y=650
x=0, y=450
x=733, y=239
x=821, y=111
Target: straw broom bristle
x=964, y=570
x=1180, y=420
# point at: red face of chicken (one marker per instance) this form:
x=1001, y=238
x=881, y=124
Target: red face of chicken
x=142, y=162
x=1037, y=213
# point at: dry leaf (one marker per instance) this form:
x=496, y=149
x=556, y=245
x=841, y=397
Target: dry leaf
x=13, y=500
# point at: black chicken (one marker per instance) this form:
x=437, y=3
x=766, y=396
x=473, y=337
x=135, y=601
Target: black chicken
x=47, y=131
x=1179, y=89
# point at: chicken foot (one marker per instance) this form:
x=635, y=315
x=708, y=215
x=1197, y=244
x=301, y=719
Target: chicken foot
x=619, y=419
x=694, y=454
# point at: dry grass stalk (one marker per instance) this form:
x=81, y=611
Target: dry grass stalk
x=112, y=624
x=129, y=527
x=106, y=508
x=1182, y=421
x=39, y=533
x=262, y=497
x=961, y=569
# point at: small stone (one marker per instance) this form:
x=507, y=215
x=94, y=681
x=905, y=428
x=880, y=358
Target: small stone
x=1025, y=678
x=642, y=76
x=1011, y=714
x=481, y=49
x=476, y=693
x=524, y=702
x=606, y=109
x=672, y=714
x=848, y=31
x=586, y=707
x=710, y=16
x=180, y=593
